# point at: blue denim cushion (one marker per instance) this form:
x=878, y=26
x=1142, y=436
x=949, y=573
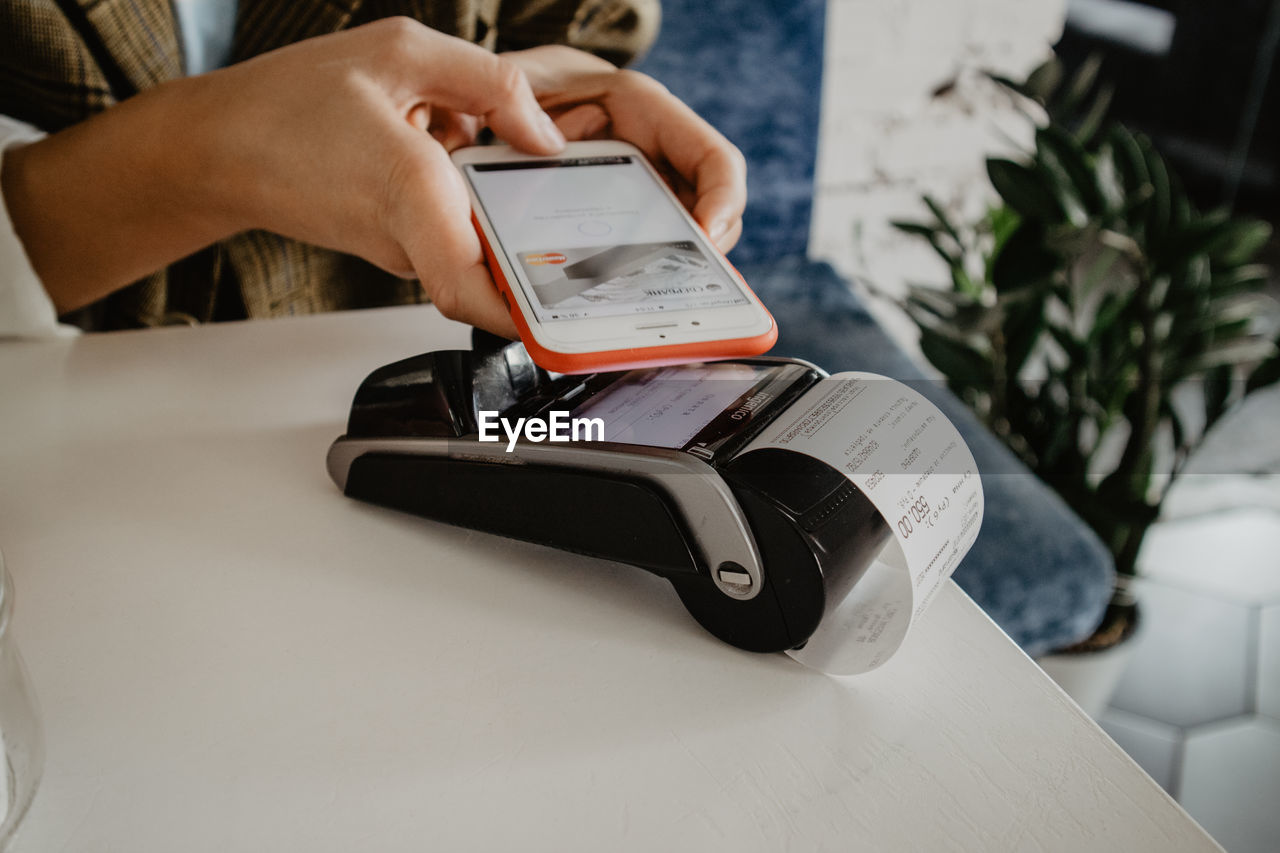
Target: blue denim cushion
x=753, y=68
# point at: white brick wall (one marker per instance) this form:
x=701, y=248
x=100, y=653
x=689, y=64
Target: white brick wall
x=886, y=139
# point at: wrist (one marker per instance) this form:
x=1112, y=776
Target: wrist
x=108, y=201
x=188, y=170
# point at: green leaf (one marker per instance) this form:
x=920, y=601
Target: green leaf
x=1071, y=346
x=1089, y=126
x=1244, y=307
x=1232, y=352
x=1197, y=235
x=1002, y=221
x=1044, y=80
x=1108, y=177
x=1159, y=210
x=1123, y=491
x=943, y=219
x=1182, y=210
x=917, y=228
x=1024, y=190
x=1080, y=84
x=962, y=283
x=1023, y=259
x=1243, y=279
x=1106, y=271
x=1110, y=310
x=945, y=304
x=926, y=313
x=1023, y=326
x=1131, y=165
x=1061, y=150
x=1238, y=241
x=1062, y=439
x=956, y=361
x=933, y=235
x=1226, y=326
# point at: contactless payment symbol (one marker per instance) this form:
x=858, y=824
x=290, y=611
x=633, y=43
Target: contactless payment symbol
x=539, y=259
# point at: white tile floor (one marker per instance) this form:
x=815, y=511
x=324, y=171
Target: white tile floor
x=1269, y=662
x=1199, y=705
x=1192, y=664
x=1230, y=780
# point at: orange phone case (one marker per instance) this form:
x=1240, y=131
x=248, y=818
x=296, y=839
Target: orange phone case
x=631, y=357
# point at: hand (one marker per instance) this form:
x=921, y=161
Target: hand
x=325, y=141
x=591, y=99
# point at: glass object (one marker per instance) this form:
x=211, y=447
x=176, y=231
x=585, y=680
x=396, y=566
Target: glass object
x=20, y=736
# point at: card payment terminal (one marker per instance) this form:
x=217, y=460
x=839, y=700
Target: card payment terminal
x=756, y=544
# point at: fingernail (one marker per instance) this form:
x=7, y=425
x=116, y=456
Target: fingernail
x=551, y=133
x=719, y=228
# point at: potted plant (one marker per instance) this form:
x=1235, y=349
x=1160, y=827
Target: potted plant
x=1096, y=320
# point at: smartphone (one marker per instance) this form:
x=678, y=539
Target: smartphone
x=601, y=266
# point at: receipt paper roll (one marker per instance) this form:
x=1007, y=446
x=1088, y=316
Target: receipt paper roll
x=911, y=463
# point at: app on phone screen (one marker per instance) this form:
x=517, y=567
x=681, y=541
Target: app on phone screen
x=597, y=237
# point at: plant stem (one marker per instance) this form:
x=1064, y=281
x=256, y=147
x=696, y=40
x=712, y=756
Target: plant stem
x=1000, y=380
x=1144, y=416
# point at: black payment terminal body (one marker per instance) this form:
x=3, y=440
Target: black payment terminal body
x=755, y=543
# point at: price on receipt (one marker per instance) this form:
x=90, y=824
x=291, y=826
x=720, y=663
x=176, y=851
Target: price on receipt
x=917, y=513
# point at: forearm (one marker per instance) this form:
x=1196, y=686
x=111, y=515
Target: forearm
x=108, y=201
x=324, y=141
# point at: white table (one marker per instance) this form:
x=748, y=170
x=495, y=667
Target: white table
x=231, y=655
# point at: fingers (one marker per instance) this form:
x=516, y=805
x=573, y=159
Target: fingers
x=475, y=300
x=720, y=179
x=666, y=129
x=585, y=121
x=453, y=130
x=446, y=86
x=549, y=68
x=429, y=216
x=442, y=71
x=729, y=239
x=590, y=100
x=464, y=290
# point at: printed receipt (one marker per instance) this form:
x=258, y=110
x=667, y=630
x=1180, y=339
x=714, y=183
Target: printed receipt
x=914, y=467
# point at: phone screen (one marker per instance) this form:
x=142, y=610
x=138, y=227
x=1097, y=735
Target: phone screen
x=597, y=237
x=690, y=407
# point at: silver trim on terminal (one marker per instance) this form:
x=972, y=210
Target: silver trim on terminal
x=703, y=499
x=781, y=359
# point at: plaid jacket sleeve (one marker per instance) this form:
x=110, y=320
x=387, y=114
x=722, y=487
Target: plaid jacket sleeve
x=618, y=30
x=50, y=79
